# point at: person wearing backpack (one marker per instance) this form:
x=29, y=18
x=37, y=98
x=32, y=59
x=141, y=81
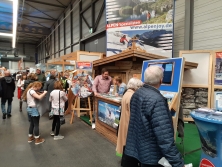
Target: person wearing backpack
x=7, y=93
x=66, y=83
x=49, y=87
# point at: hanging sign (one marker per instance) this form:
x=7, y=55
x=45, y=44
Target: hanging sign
x=144, y=25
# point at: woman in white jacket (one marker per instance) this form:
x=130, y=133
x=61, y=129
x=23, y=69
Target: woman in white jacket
x=20, y=84
x=57, y=109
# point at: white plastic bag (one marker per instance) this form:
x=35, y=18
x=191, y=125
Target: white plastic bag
x=163, y=161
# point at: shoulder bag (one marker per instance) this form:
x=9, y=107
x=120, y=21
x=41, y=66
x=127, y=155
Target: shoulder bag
x=62, y=118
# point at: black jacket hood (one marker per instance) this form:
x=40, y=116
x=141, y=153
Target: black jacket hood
x=8, y=79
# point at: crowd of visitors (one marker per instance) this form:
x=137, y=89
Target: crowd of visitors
x=145, y=128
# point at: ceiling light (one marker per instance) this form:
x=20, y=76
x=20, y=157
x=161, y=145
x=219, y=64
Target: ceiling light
x=15, y=21
x=5, y=34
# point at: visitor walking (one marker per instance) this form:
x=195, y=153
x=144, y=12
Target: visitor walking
x=20, y=85
x=7, y=93
x=58, y=98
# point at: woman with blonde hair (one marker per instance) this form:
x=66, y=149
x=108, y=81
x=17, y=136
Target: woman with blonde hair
x=31, y=96
x=58, y=98
x=132, y=86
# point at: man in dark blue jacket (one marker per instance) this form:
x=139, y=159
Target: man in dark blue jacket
x=150, y=134
x=7, y=94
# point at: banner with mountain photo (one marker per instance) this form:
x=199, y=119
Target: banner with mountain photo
x=145, y=25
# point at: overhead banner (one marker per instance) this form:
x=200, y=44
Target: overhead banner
x=144, y=25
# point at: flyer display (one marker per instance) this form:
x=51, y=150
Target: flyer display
x=147, y=24
x=169, y=96
x=218, y=101
x=218, y=69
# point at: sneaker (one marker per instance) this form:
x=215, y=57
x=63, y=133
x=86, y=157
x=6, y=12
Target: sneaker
x=9, y=115
x=31, y=139
x=4, y=116
x=59, y=137
x=52, y=133
x=39, y=141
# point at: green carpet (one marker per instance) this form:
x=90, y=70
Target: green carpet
x=191, y=142
x=86, y=119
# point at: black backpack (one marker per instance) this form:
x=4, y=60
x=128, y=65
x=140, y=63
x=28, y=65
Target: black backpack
x=0, y=88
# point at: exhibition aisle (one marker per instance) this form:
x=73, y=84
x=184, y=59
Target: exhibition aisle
x=81, y=147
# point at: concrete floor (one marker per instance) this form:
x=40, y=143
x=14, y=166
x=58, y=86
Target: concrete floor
x=81, y=147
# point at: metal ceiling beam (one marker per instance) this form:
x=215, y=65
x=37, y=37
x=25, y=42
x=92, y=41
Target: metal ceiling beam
x=39, y=17
x=39, y=10
x=99, y=16
x=88, y=6
x=44, y=3
x=35, y=22
x=19, y=42
x=85, y=21
x=61, y=3
x=33, y=30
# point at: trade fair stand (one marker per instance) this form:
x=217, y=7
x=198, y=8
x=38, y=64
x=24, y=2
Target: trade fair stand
x=208, y=120
x=129, y=64
x=83, y=65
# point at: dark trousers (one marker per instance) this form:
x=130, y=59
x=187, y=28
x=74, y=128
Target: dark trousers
x=3, y=102
x=56, y=124
x=128, y=161
x=143, y=165
x=34, y=125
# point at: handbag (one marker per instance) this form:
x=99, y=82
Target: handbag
x=62, y=118
x=19, y=92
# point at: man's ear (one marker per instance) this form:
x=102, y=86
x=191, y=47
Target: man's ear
x=161, y=81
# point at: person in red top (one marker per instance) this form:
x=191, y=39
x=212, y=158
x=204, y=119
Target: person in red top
x=123, y=39
x=148, y=16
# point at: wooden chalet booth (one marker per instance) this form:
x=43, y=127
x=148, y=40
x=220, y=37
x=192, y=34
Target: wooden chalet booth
x=127, y=64
x=80, y=56
x=58, y=65
x=75, y=102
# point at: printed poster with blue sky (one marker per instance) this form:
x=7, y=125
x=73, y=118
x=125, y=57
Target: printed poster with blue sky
x=148, y=23
x=108, y=114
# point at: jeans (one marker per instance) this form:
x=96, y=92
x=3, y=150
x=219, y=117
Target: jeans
x=56, y=124
x=3, y=102
x=34, y=126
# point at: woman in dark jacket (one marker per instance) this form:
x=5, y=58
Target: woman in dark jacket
x=30, y=79
x=49, y=87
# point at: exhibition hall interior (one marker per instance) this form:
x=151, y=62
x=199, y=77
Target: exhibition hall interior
x=111, y=83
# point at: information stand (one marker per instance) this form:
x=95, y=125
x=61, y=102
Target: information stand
x=197, y=82
x=172, y=83
x=216, y=78
x=209, y=125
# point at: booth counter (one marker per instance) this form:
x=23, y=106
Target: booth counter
x=209, y=125
x=107, y=115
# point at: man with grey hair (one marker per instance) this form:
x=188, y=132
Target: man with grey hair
x=150, y=134
x=7, y=93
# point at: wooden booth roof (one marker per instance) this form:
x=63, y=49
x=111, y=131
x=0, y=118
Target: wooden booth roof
x=135, y=53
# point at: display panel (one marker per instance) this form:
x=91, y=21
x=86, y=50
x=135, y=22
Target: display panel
x=173, y=69
x=168, y=68
x=109, y=114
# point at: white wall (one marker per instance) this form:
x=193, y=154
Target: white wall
x=207, y=33
x=179, y=20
